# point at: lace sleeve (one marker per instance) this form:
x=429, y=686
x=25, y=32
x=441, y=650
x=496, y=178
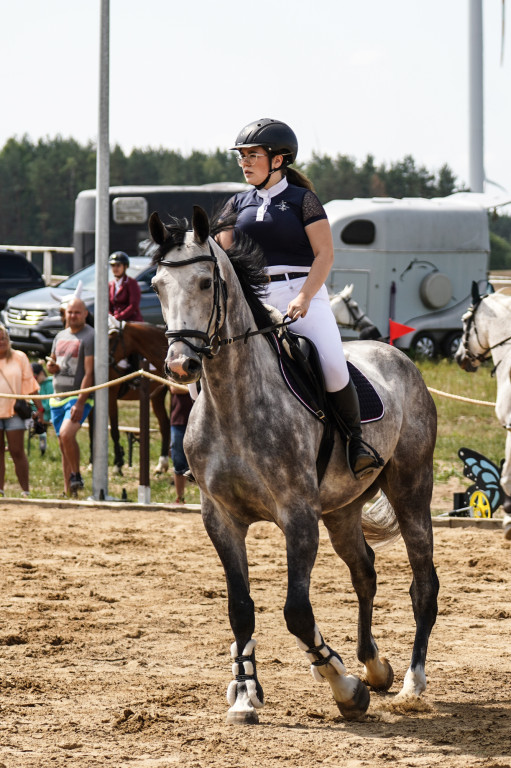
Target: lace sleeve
x=312, y=210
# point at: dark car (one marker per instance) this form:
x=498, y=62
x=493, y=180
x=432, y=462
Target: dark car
x=33, y=318
x=17, y=275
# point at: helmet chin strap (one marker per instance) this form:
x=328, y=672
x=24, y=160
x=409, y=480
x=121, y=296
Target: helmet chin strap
x=273, y=170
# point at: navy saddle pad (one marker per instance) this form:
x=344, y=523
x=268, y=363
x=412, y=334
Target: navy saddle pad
x=371, y=406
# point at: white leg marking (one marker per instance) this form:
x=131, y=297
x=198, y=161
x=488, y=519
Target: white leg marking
x=162, y=466
x=414, y=683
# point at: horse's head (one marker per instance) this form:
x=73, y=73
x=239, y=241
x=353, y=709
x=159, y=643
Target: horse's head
x=474, y=346
x=191, y=291
x=344, y=307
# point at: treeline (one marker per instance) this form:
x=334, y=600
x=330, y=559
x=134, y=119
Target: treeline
x=39, y=183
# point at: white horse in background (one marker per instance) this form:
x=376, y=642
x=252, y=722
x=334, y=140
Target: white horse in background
x=487, y=334
x=349, y=315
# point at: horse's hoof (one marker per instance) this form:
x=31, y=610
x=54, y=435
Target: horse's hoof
x=357, y=707
x=242, y=717
x=381, y=679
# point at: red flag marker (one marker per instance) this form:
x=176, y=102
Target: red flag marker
x=398, y=329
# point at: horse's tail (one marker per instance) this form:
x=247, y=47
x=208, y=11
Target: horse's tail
x=379, y=523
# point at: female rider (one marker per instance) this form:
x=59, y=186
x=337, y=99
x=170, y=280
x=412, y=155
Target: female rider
x=123, y=291
x=284, y=216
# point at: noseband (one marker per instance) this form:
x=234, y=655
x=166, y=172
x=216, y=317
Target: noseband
x=213, y=343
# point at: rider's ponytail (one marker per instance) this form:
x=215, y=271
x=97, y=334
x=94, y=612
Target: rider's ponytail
x=298, y=178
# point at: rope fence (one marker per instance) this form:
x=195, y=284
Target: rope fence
x=76, y=392
x=460, y=397
x=154, y=377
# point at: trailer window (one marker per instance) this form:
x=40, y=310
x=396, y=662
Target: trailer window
x=359, y=232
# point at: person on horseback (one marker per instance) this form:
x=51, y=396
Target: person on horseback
x=283, y=215
x=123, y=291
x=124, y=304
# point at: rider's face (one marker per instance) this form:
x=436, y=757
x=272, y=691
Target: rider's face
x=255, y=174
x=118, y=270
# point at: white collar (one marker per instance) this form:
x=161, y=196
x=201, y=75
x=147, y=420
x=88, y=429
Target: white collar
x=267, y=194
x=276, y=189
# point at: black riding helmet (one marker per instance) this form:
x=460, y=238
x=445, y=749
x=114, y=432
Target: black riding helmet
x=119, y=257
x=276, y=137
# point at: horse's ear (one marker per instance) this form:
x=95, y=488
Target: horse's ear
x=157, y=229
x=200, y=224
x=475, y=293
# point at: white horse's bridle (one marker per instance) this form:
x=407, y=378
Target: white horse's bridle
x=470, y=321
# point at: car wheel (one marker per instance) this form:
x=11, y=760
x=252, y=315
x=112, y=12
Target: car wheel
x=450, y=344
x=424, y=346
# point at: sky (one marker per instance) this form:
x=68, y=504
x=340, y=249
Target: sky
x=354, y=77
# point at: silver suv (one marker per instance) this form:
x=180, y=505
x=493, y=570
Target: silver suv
x=33, y=318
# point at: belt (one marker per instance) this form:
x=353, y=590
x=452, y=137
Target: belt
x=286, y=276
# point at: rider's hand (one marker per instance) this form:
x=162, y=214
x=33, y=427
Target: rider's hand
x=298, y=307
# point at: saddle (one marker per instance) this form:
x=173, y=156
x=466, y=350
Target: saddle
x=301, y=370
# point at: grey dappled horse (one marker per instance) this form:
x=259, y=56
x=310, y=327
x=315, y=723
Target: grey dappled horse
x=252, y=449
x=486, y=334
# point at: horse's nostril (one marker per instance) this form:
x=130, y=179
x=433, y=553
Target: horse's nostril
x=192, y=366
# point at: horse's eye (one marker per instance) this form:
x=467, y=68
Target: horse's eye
x=155, y=289
x=205, y=284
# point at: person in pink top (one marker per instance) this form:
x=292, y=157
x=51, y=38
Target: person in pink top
x=16, y=378
x=123, y=291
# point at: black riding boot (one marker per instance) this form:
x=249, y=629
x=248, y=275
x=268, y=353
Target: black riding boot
x=347, y=413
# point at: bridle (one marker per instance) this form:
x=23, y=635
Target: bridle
x=470, y=322
x=212, y=342
x=357, y=319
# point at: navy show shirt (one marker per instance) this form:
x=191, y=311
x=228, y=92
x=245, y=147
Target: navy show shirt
x=281, y=232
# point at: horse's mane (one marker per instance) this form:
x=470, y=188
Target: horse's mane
x=246, y=257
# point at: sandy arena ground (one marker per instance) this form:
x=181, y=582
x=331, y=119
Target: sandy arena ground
x=115, y=642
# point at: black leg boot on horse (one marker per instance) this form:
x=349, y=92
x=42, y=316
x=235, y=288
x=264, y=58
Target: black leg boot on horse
x=362, y=459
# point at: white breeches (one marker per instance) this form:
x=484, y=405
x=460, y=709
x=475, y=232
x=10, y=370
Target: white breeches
x=319, y=325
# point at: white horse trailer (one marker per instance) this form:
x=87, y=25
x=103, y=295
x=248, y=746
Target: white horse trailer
x=411, y=260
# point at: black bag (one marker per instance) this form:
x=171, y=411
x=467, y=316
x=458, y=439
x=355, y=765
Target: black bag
x=22, y=409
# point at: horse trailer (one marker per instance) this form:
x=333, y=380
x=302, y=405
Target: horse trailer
x=412, y=261
x=129, y=211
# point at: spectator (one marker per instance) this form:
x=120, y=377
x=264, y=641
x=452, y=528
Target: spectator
x=72, y=365
x=16, y=378
x=180, y=407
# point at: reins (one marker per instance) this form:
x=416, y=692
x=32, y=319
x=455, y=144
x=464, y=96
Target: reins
x=213, y=343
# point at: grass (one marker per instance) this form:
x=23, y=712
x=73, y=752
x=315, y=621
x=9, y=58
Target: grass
x=459, y=425
x=46, y=471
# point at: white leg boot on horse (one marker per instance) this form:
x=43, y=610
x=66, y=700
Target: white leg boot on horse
x=347, y=413
x=244, y=694
x=350, y=693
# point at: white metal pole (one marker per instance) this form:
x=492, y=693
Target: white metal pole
x=100, y=460
x=476, y=101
